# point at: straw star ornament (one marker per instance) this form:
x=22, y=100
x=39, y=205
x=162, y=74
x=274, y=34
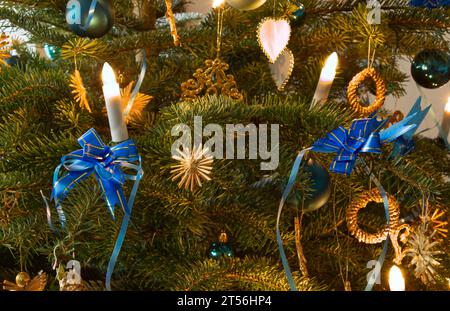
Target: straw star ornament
x=193, y=167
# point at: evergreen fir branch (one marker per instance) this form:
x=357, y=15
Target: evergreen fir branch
x=32, y=86
x=248, y=273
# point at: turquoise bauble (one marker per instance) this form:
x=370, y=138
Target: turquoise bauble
x=77, y=12
x=52, y=52
x=219, y=249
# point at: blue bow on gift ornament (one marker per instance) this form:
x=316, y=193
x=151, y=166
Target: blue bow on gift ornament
x=364, y=136
x=106, y=164
x=405, y=143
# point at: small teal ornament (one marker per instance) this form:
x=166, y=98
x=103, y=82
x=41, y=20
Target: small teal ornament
x=81, y=24
x=221, y=248
x=320, y=186
x=52, y=52
x=298, y=15
x=431, y=68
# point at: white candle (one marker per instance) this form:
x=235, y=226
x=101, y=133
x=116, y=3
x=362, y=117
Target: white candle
x=111, y=91
x=396, y=280
x=326, y=80
x=446, y=120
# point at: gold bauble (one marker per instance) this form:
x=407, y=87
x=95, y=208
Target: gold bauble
x=22, y=279
x=246, y=5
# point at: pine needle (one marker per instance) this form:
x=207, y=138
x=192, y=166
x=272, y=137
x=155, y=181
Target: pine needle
x=79, y=91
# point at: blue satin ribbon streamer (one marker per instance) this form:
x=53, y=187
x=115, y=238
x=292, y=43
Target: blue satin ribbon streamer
x=404, y=144
x=290, y=184
x=137, y=87
x=364, y=136
x=383, y=194
x=107, y=164
x=90, y=15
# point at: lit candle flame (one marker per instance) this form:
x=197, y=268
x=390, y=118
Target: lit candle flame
x=396, y=280
x=447, y=107
x=329, y=70
x=217, y=3
x=110, y=86
x=108, y=75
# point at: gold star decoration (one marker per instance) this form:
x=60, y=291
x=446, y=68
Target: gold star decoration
x=83, y=47
x=424, y=252
x=437, y=223
x=79, y=91
x=194, y=166
x=24, y=283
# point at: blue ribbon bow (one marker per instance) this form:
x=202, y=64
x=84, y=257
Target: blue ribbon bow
x=106, y=164
x=405, y=143
x=364, y=136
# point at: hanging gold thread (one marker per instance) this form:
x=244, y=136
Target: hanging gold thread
x=298, y=245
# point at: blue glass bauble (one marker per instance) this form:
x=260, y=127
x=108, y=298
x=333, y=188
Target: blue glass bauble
x=431, y=4
x=77, y=12
x=320, y=186
x=431, y=68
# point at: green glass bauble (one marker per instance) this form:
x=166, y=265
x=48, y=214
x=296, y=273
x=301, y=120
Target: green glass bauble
x=431, y=68
x=246, y=5
x=77, y=12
